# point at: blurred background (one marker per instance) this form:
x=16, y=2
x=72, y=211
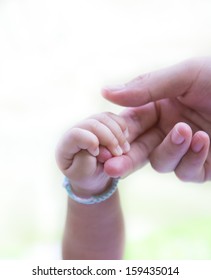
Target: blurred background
x=55, y=56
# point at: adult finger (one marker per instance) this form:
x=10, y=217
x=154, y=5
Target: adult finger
x=139, y=119
x=168, y=154
x=193, y=166
x=137, y=157
x=165, y=83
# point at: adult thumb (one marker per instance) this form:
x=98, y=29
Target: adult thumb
x=165, y=83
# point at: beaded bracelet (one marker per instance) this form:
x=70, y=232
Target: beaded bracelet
x=93, y=199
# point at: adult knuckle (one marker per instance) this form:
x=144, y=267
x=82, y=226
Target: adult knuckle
x=182, y=176
x=157, y=165
x=143, y=77
x=185, y=176
x=170, y=152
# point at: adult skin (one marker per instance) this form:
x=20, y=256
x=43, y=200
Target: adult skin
x=169, y=121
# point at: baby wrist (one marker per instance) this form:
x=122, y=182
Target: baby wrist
x=87, y=190
x=98, y=197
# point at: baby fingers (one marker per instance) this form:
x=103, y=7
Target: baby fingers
x=74, y=140
x=111, y=131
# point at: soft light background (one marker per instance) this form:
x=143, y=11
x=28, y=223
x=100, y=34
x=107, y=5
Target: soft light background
x=55, y=56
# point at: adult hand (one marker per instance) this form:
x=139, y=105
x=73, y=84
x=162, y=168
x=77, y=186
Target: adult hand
x=169, y=122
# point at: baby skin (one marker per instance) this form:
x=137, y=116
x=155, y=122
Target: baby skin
x=93, y=231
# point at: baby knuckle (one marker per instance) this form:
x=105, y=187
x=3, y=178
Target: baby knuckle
x=114, y=142
x=120, y=136
x=73, y=133
x=105, y=116
x=122, y=123
x=120, y=120
x=94, y=124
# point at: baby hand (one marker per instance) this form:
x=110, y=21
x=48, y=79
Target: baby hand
x=78, y=153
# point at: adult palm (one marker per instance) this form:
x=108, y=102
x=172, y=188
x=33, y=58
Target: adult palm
x=169, y=121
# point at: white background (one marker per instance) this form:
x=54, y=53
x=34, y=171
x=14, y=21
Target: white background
x=55, y=56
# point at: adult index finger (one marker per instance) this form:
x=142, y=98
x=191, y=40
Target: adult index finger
x=165, y=83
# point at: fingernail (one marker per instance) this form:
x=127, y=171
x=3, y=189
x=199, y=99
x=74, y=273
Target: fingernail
x=197, y=147
x=126, y=147
x=118, y=151
x=177, y=138
x=115, y=88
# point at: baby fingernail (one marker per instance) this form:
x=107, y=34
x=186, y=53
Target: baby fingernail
x=126, y=147
x=118, y=151
x=177, y=138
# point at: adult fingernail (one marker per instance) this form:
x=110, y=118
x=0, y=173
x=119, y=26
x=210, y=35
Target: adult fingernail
x=197, y=147
x=115, y=88
x=177, y=138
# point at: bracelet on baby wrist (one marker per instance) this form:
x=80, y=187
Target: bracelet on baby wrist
x=93, y=199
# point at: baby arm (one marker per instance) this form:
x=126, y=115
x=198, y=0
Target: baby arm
x=93, y=231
